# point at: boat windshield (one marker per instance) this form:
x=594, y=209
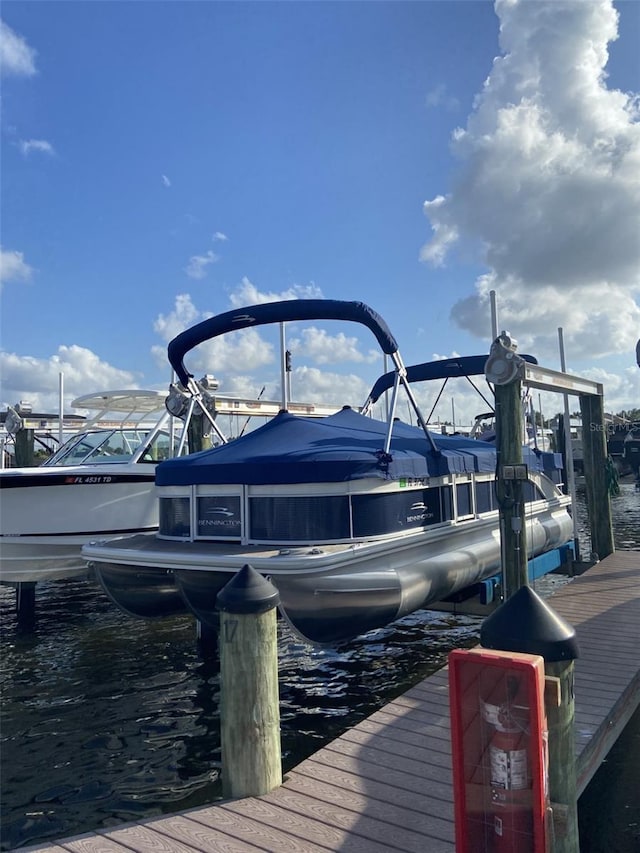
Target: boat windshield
x=113, y=445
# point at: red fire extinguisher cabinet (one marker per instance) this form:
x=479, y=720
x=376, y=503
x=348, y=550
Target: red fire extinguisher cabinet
x=499, y=743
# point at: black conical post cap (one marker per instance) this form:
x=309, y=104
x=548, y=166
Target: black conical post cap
x=248, y=592
x=526, y=623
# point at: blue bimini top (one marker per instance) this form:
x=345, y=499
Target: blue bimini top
x=342, y=447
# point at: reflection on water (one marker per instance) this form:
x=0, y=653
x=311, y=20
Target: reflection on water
x=107, y=719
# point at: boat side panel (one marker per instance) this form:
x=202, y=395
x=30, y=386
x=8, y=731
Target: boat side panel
x=43, y=527
x=79, y=504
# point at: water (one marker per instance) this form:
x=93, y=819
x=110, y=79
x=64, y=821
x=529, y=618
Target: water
x=107, y=719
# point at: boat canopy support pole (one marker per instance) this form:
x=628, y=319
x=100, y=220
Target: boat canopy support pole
x=187, y=420
x=392, y=413
x=401, y=377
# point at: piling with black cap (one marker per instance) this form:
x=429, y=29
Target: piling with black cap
x=526, y=623
x=249, y=700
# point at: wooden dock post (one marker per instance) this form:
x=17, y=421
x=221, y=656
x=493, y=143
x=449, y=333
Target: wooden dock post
x=26, y=604
x=526, y=623
x=24, y=447
x=594, y=449
x=249, y=700
x=562, y=758
x=197, y=436
x=207, y=639
x=504, y=368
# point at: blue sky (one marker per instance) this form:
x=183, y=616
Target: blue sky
x=166, y=161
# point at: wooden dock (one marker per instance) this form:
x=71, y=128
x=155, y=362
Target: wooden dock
x=386, y=784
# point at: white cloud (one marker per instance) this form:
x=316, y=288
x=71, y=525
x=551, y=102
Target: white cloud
x=621, y=390
x=549, y=184
x=13, y=267
x=184, y=315
x=219, y=237
x=28, y=145
x=36, y=380
x=597, y=320
x=197, y=266
x=324, y=348
x=440, y=97
x=248, y=294
x=445, y=234
x=165, y=180
x=310, y=385
x=16, y=57
x=236, y=353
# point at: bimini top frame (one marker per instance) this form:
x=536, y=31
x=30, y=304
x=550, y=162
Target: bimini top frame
x=292, y=310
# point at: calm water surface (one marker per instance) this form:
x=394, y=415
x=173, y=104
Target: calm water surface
x=107, y=719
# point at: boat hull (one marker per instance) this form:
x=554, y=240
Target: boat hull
x=47, y=515
x=331, y=594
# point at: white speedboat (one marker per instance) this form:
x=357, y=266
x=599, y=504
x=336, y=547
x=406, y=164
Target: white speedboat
x=99, y=483
x=356, y=521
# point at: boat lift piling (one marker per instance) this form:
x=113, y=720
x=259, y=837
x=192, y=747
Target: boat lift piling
x=594, y=448
x=503, y=368
x=509, y=372
x=524, y=623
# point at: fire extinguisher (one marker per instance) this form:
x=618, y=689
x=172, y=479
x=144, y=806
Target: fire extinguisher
x=510, y=819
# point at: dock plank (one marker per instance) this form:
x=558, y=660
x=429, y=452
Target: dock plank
x=410, y=814
x=300, y=826
x=386, y=784
x=148, y=840
x=183, y=829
